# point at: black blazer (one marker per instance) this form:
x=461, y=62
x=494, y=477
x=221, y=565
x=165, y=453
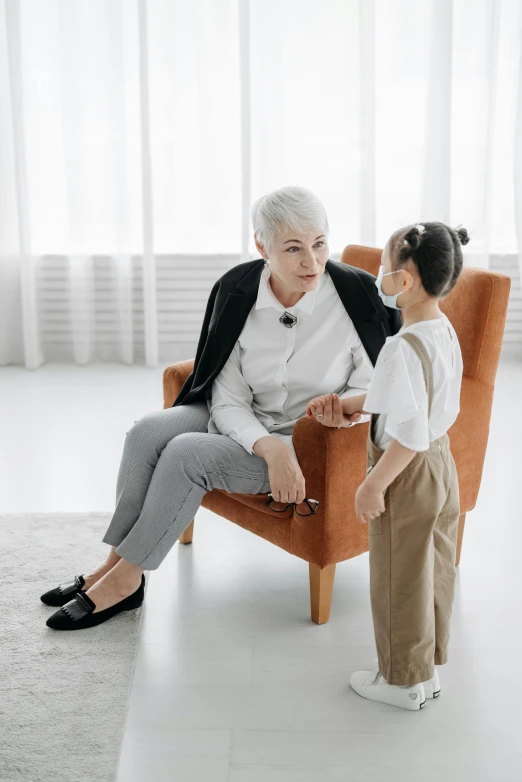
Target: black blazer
x=234, y=295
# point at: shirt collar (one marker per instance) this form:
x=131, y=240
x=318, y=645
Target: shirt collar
x=266, y=297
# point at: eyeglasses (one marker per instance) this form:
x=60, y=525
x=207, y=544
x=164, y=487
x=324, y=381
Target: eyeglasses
x=311, y=504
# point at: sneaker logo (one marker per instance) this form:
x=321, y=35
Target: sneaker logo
x=413, y=696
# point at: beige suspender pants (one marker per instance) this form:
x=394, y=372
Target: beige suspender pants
x=412, y=557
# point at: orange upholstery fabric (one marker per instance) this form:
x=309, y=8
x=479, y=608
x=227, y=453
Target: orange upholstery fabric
x=334, y=460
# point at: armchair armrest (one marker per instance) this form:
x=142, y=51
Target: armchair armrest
x=333, y=462
x=173, y=379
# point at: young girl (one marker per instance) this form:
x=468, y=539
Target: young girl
x=410, y=498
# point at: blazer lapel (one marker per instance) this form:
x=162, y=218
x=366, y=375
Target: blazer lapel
x=231, y=320
x=366, y=318
x=225, y=331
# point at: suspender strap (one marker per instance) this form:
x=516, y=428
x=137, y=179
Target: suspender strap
x=427, y=366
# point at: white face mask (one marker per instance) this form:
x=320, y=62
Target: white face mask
x=389, y=301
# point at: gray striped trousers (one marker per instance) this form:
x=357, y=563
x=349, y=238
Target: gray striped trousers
x=169, y=462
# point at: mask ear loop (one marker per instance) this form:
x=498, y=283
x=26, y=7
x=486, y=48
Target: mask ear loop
x=396, y=271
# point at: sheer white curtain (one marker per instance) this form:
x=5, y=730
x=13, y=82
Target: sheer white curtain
x=134, y=135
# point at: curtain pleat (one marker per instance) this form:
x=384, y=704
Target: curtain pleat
x=32, y=350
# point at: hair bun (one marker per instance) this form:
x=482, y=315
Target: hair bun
x=463, y=235
x=413, y=237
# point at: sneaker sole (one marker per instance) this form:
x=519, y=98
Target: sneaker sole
x=396, y=705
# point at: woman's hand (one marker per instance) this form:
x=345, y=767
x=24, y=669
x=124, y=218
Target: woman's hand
x=369, y=502
x=287, y=482
x=327, y=410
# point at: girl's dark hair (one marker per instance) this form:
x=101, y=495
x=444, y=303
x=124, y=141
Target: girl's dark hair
x=435, y=251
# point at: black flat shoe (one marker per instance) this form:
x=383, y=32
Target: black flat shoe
x=78, y=613
x=63, y=593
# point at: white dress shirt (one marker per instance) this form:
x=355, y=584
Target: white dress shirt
x=273, y=372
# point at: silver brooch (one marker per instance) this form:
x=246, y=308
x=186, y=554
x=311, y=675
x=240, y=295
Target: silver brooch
x=288, y=320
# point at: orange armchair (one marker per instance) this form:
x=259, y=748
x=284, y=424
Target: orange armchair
x=333, y=461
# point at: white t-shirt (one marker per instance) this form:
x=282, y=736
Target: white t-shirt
x=397, y=391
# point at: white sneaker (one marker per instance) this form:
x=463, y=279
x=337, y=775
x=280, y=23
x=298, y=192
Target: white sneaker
x=374, y=687
x=431, y=687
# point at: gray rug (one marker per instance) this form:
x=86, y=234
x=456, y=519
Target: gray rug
x=63, y=695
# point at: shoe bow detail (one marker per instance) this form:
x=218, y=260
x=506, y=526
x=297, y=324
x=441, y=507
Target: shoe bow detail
x=81, y=605
x=70, y=586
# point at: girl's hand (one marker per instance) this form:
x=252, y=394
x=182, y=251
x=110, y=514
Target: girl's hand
x=369, y=503
x=327, y=410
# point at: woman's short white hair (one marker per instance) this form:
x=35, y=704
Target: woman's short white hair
x=289, y=208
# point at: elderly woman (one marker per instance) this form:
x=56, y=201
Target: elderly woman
x=278, y=331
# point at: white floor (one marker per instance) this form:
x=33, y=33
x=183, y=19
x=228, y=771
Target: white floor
x=233, y=682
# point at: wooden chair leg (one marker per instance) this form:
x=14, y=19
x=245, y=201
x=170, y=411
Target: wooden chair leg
x=186, y=537
x=321, y=590
x=462, y=521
